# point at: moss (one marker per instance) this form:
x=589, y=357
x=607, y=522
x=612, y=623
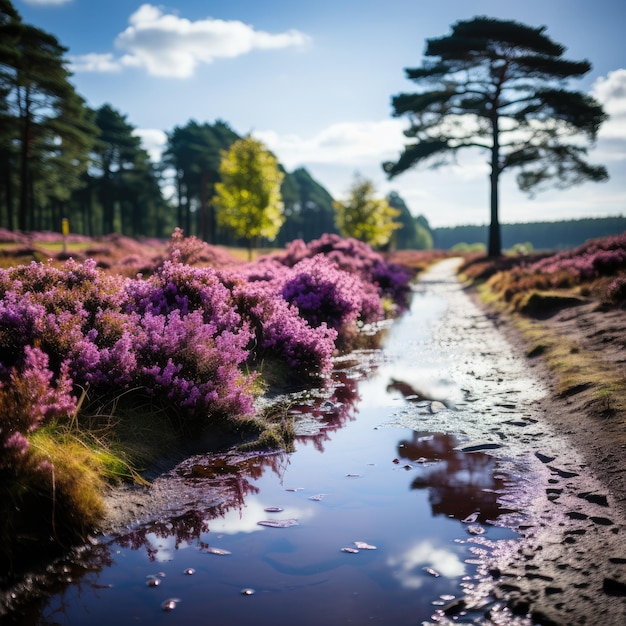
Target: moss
x=576, y=370
x=274, y=429
x=545, y=303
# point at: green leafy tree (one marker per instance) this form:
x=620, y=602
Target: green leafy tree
x=364, y=216
x=500, y=86
x=248, y=197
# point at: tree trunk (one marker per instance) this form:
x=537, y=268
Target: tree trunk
x=9, y=198
x=22, y=214
x=202, y=223
x=494, y=247
x=179, y=204
x=495, y=244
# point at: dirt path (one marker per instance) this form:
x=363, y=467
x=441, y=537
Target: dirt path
x=570, y=567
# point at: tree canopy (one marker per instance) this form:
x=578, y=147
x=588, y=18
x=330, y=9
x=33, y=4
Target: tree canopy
x=415, y=231
x=46, y=129
x=364, y=216
x=248, y=196
x=501, y=87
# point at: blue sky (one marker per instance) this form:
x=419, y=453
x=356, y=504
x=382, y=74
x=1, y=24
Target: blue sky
x=314, y=81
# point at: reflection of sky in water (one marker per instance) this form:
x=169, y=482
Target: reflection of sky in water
x=165, y=547
x=403, y=490
x=246, y=519
x=408, y=566
x=411, y=361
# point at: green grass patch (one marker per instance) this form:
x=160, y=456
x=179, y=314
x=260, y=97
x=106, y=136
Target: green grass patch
x=576, y=370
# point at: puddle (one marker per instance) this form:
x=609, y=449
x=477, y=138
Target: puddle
x=397, y=492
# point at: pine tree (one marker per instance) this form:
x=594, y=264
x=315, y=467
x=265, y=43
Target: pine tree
x=501, y=87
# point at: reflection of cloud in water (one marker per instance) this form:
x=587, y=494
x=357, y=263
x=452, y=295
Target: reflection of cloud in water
x=408, y=567
x=246, y=519
x=412, y=381
x=163, y=548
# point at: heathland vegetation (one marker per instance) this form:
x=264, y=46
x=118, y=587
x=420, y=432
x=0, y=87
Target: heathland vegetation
x=570, y=308
x=111, y=357
x=100, y=373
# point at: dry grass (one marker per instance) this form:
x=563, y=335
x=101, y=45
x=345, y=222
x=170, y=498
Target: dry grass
x=576, y=369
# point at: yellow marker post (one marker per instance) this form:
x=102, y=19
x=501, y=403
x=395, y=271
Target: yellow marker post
x=65, y=230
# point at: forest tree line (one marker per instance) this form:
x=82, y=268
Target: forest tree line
x=61, y=159
x=538, y=236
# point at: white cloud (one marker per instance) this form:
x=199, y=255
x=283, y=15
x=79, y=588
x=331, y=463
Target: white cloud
x=247, y=518
x=408, y=567
x=346, y=142
x=610, y=91
x=103, y=63
x=153, y=141
x=169, y=46
x=336, y=153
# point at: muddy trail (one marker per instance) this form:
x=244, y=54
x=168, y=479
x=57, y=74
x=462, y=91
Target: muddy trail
x=430, y=485
x=569, y=567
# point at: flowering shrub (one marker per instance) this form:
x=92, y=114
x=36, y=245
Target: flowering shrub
x=183, y=335
x=355, y=258
x=594, y=262
x=595, y=258
x=191, y=251
x=616, y=291
x=280, y=333
x=30, y=395
x=324, y=293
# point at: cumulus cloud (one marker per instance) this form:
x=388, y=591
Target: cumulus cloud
x=610, y=91
x=346, y=142
x=153, y=141
x=408, y=567
x=340, y=150
x=170, y=46
x=104, y=63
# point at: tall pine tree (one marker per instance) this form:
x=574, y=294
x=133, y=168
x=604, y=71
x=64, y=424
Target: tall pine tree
x=501, y=87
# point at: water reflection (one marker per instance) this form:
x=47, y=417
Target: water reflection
x=318, y=416
x=409, y=566
x=411, y=393
x=459, y=483
x=299, y=573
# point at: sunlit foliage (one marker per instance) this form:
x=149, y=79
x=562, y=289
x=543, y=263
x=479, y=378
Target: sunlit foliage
x=366, y=217
x=248, y=197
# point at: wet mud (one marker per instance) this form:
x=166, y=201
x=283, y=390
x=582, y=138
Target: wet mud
x=570, y=565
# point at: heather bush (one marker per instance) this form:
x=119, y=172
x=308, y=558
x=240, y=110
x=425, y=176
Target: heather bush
x=593, y=259
x=30, y=394
x=586, y=268
x=324, y=293
x=355, y=258
x=191, y=251
x=189, y=340
x=182, y=360
x=616, y=291
x=280, y=334
x=176, y=286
